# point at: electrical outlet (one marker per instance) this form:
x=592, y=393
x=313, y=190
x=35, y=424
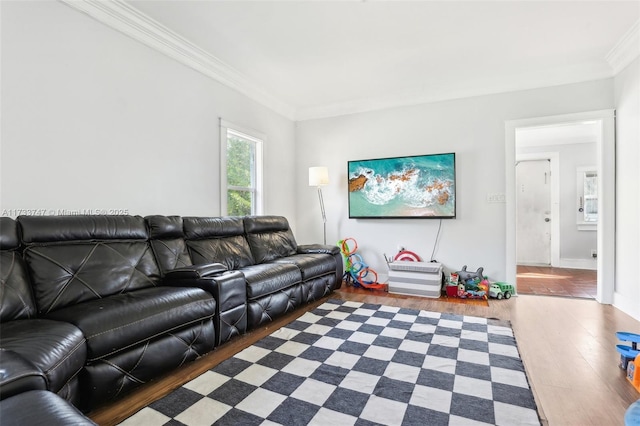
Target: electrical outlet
x=594, y=253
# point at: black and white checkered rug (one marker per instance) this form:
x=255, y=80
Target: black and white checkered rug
x=349, y=363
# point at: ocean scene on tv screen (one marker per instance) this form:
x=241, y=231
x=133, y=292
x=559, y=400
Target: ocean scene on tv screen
x=417, y=186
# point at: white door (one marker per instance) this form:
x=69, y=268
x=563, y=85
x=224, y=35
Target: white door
x=533, y=212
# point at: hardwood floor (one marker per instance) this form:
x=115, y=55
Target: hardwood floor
x=548, y=281
x=567, y=347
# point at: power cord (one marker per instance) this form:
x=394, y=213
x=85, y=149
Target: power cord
x=435, y=243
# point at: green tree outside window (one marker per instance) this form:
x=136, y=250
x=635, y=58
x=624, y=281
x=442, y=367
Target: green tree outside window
x=240, y=176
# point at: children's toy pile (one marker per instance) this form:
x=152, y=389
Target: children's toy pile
x=474, y=285
x=629, y=359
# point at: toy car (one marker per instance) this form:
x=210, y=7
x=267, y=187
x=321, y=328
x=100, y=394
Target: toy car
x=500, y=290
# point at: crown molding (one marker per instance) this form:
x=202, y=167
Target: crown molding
x=123, y=17
x=407, y=99
x=128, y=20
x=626, y=49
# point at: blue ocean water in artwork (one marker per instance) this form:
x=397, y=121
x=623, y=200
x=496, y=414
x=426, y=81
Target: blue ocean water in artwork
x=403, y=187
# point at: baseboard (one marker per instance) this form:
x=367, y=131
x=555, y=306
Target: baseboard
x=591, y=264
x=626, y=305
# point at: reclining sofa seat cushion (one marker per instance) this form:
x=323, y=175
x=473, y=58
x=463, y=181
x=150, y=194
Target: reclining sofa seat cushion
x=31, y=347
x=227, y=287
x=272, y=241
x=272, y=289
x=99, y=273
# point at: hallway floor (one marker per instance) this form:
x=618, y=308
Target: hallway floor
x=548, y=281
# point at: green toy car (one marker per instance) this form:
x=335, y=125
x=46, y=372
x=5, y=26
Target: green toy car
x=500, y=290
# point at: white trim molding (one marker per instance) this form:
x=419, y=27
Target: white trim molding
x=125, y=18
x=626, y=49
x=590, y=264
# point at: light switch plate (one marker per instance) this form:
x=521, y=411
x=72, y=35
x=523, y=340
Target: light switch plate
x=496, y=197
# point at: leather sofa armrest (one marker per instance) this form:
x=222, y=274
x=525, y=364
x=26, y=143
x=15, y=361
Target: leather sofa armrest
x=18, y=375
x=195, y=271
x=228, y=288
x=41, y=408
x=318, y=249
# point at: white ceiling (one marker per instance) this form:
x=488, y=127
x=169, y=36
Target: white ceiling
x=325, y=58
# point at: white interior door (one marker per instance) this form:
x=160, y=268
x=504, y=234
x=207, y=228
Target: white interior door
x=533, y=212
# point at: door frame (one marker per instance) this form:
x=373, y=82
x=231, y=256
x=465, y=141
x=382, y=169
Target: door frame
x=605, y=151
x=554, y=166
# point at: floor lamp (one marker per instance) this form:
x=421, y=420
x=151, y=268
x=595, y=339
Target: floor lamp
x=319, y=177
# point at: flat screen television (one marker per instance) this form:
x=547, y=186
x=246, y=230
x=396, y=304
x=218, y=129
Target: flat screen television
x=420, y=186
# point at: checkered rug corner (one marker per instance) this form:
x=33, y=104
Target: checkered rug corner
x=352, y=363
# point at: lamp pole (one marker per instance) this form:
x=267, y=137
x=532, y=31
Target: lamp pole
x=318, y=177
x=324, y=216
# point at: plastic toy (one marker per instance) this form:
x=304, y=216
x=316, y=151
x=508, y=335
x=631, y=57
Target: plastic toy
x=479, y=291
x=451, y=290
x=627, y=353
x=357, y=273
x=630, y=357
x=465, y=275
x=500, y=290
x=633, y=373
x=468, y=285
x=407, y=255
x=476, y=294
x=472, y=284
x=632, y=415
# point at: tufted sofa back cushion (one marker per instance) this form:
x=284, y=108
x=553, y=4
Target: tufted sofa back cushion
x=16, y=299
x=269, y=237
x=167, y=241
x=217, y=240
x=72, y=259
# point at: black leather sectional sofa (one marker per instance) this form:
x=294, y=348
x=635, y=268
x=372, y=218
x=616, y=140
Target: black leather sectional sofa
x=93, y=306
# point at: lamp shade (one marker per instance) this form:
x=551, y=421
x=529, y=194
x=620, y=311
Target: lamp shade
x=318, y=176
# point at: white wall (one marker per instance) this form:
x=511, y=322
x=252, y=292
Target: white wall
x=627, y=97
x=92, y=119
x=473, y=128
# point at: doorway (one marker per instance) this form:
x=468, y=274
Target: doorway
x=605, y=151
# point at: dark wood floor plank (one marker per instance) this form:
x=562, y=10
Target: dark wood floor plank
x=549, y=281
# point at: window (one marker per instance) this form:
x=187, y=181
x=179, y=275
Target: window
x=241, y=172
x=587, y=179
